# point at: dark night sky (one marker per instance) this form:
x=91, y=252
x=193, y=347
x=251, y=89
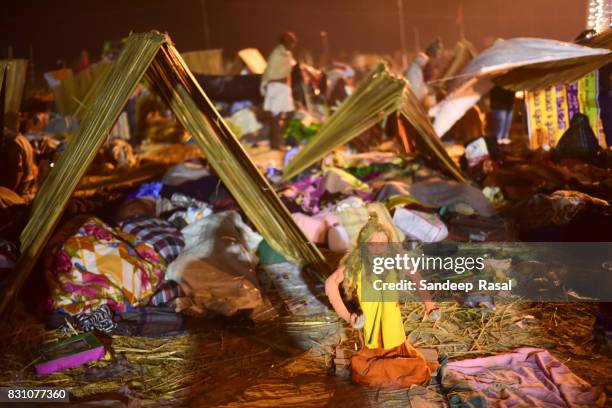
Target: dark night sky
x=61, y=28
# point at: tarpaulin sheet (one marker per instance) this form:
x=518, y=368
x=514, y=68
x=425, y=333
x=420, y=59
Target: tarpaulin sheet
x=516, y=64
x=231, y=88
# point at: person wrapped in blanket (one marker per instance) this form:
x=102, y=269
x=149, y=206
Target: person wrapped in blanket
x=386, y=359
x=18, y=168
x=91, y=264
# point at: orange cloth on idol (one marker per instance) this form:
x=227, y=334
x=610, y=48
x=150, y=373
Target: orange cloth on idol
x=387, y=359
x=398, y=367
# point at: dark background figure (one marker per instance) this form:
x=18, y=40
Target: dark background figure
x=502, y=105
x=84, y=62
x=432, y=70
x=276, y=87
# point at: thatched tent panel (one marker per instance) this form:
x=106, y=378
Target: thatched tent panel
x=16, y=70
x=224, y=152
x=169, y=74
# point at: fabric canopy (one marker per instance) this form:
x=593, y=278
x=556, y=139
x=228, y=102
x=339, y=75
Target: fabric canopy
x=152, y=53
x=516, y=64
x=380, y=94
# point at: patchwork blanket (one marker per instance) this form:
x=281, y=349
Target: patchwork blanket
x=99, y=265
x=164, y=237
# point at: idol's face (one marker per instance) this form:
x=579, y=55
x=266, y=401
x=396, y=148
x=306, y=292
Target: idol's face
x=377, y=244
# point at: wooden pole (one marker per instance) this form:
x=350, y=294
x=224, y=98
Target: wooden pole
x=402, y=30
x=205, y=24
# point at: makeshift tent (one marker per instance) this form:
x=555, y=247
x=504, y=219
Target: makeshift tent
x=380, y=94
x=517, y=64
x=152, y=54
x=205, y=62
x=367, y=62
x=75, y=91
x=424, y=138
x=602, y=40
x=15, y=80
x=464, y=53
x=249, y=58
x=253, y=60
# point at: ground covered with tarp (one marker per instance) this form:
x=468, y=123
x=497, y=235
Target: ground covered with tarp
x=284, y=354
x=287, y=361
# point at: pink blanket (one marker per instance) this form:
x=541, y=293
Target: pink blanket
x=527, y=377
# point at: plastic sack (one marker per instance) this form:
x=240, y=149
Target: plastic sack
x=420, y=225
x=579, y=141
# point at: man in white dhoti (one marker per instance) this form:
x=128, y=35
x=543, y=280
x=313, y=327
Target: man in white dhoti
x=416, y=79
x=276, y=87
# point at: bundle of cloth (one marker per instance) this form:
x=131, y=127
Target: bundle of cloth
x=166, y=249
x=185, y=194
x=216, y=271
x=427, y=211
x=312, y=194
x=210, y=257
x=436, y=209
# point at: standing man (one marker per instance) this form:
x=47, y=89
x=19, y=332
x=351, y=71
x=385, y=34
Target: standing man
x=416, y=78
x=502, y=105
x=276, y=87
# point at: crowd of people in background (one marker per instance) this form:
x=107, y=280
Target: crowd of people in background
x=287, y=87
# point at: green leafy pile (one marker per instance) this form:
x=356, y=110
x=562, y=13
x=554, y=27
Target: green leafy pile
x=296, y=129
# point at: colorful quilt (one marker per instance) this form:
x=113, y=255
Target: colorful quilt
x=100, y=265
